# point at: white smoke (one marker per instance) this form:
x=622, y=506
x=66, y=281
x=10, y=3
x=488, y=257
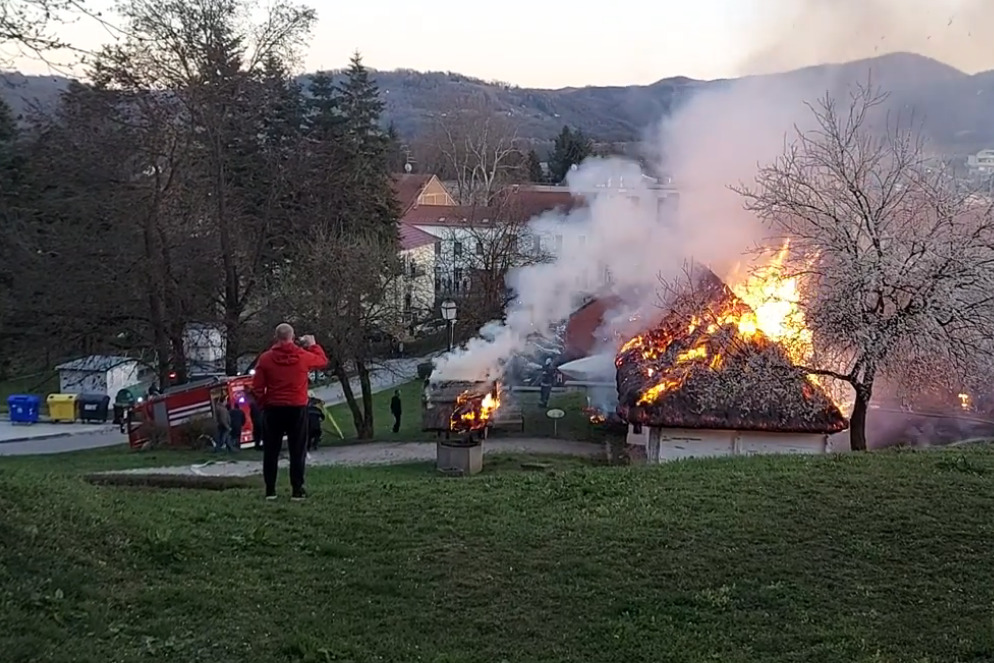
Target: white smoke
x=716, y=139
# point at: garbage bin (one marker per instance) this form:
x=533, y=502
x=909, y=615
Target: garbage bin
x=24, y=408
x=62, y=407
x=127, y=398
x=93, y=408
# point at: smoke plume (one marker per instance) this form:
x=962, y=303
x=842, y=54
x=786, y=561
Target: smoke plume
x=715, y=138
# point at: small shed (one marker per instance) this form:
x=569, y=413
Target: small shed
x=98, y=374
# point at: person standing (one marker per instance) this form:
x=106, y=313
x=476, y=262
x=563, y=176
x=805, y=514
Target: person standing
x=222, y=441
x=315, y=419
x=236, y=420
x=280, y=387
x=396, y=410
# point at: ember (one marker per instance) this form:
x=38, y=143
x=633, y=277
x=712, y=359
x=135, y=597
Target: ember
x=715, y=362
x=473, y=411
x=965, y=401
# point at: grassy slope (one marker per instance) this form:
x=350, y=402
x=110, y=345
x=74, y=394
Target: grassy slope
x=574, y=426
x=882, y=557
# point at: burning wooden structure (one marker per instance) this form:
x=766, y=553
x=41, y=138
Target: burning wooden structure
x=460, y=407
x=708, y=381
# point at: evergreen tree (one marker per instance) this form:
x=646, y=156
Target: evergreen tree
x=534, y=166
x=571, y=147
x=371, y=204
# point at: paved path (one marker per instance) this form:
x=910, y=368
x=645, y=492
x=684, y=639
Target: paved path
x=382, y=453
x=393, y=372
x=103, y=437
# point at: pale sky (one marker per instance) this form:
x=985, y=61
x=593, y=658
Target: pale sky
x=559, y=43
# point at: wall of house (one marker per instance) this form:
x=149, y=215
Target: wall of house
x=418, y=281
x=82, y=382
x=121, y=376
x=664, y=444
x=435, y=193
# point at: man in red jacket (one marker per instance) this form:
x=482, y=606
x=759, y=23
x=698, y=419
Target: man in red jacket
x=280, y=387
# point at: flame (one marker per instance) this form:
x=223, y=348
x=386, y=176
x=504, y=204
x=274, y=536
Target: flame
x=965, y=401
x=762, y=308
x=473, y=411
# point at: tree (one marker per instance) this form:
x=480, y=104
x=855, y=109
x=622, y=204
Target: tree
x=220, y=64
x=569, y=149
x=478, y=147
x=894, y=258
x=534, y=166
x=29, y=25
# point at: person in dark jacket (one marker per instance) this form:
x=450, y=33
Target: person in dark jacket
x=222, y=441
x=280, y=386
x=236, y=419
x=315, y=417
x=396, y=409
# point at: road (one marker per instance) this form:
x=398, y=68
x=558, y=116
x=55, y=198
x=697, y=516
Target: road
x=58, y=445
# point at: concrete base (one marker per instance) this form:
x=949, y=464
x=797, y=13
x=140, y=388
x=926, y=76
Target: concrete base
x=459, y=458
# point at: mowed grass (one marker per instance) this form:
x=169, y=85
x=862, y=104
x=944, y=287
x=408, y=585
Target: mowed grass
x=574, y=426
x=881, y=557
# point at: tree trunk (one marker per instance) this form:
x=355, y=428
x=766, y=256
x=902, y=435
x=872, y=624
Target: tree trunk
x=350, y=399
x=857, y=422
x=367, y=400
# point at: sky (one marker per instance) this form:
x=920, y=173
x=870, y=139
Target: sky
x=559, y=43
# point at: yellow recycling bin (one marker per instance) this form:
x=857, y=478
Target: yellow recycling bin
x=62, y=407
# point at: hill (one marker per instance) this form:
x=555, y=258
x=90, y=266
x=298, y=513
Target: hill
x=956, y=104
x=879, y=557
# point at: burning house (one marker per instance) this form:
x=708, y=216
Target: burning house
x=713, y=379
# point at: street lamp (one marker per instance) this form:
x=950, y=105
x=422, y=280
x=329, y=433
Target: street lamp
x=449, y=315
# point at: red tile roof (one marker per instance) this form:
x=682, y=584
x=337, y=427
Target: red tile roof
x=449, y=215
x=412, y=238
x=407, y=187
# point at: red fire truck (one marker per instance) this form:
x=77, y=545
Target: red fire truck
x=181, y=405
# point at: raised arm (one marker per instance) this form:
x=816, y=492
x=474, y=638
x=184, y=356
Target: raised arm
x=316, y=358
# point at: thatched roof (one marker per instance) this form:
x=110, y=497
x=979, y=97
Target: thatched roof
x=729, y=382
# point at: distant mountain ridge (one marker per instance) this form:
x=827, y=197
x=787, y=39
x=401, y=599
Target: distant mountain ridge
x=959, y=106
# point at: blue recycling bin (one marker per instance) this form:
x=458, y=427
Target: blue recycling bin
x=24, y=408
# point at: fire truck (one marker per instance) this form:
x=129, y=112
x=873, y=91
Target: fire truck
x=178, y=406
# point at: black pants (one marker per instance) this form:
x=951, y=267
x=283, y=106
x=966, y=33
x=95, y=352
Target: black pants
x=280, y=420
x=396, y=422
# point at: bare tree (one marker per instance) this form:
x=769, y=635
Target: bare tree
x=220, y=62
x=339, y=287
x=895, y=259
x=478, y=145
x=27, y=27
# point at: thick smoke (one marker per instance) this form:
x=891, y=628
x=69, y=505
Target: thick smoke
x=716, y=138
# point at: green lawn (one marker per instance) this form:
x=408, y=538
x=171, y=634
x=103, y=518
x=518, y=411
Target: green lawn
x=575, y=425
x=882, y=558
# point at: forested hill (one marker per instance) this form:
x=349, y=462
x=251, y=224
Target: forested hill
x=958, y=106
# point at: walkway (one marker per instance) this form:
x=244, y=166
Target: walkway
x=382, y=453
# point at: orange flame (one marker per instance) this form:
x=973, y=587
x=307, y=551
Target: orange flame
x=473, y=411
x=965, y=401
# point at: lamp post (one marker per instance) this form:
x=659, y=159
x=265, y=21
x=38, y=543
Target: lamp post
x=449, y=315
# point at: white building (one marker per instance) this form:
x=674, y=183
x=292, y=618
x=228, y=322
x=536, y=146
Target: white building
x=204, y=346
x=664, y=444
x=982, y=161
x=99, y=374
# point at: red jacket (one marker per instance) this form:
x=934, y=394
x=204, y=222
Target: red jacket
x=281, y=373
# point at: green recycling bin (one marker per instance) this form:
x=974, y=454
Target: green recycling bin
x=127, y=398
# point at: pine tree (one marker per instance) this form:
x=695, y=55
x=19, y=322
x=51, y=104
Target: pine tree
x=535, y=173
x=569, y=149
x=371, y=203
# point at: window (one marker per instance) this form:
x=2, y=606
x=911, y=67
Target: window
x=413, y=268
x=457, y=274
x=438, y=248
x=479, y=248
x=408, y=302
x=457, y=249
x=438, y=278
